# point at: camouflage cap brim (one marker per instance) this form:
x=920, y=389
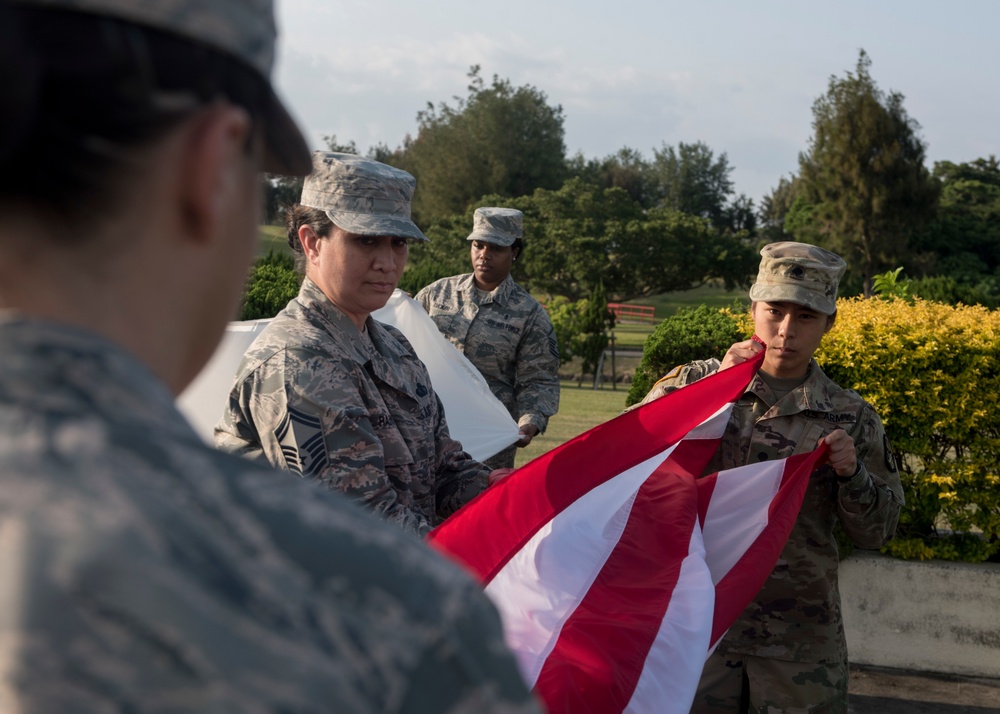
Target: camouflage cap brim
x=242, y=29
x=795, y=294
x=286, y=152
x=367, y=224
x=491, y=237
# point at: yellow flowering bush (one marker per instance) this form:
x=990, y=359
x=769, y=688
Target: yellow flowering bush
x=932, y=371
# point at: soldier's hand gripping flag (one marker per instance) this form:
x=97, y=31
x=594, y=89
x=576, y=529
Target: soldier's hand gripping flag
x=615, y=569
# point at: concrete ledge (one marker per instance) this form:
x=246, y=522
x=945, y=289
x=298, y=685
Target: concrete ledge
x=928, y=616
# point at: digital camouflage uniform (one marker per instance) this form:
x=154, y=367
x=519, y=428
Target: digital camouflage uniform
x=796, y=616
x=509, y=338
x=315, y=396
x=143, y=571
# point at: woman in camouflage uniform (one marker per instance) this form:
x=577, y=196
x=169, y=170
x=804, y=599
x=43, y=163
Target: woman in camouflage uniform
x=786, y=652
x=503, y=331
x=329, y=393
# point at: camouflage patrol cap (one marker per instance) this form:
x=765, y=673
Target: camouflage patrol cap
x=799, y=273
x=242, y=29
x=361, y=195
x=500, y=226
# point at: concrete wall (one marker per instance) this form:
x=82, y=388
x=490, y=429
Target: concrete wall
x=932, y=616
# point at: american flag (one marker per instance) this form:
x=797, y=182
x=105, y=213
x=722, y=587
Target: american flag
x=616, y=570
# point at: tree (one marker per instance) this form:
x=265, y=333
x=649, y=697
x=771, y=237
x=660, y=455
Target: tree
x=691, y=179
x=626, y=169
x=581, y=236
x=864, y=174
x=500, y=139
x=774, y=209
x=595, y=323
x=278, y=193
x=282, y=191
x=333, y=145
x=963, y=242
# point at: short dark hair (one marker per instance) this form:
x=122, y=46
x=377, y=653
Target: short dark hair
x=85, y=92
x=297, y=216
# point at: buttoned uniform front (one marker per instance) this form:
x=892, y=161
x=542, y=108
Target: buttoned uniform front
x=796, y=616
x=143, y=571
x=315, y=396
x=509, y=338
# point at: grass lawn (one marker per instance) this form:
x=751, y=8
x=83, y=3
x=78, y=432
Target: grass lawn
x=580, y=408
x=272, y=238
x=632, y=336
x=711, y=295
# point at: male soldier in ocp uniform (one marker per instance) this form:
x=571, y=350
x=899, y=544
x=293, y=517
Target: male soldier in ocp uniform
x=786, y=652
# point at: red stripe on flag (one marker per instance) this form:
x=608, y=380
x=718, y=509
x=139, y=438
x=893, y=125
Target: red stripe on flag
x=518, y=506
x=602, y=647
x=744, y=580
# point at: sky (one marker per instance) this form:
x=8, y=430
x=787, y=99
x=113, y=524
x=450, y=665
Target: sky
x=739, y=76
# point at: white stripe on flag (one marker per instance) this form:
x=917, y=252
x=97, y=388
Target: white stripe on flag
x=738, y=513
x=714, y=427
x=538, y=589
x=664, y=687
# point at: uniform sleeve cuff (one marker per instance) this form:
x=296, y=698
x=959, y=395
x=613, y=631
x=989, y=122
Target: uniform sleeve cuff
x=859, y=479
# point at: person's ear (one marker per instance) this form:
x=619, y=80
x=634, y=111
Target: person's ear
x=309, y=239
x=517, y=252
x=213, y=168
x=829, y=322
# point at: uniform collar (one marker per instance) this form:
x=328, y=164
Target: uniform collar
x=379, y=348
x=811, y=395
x=500, y=295
x=59, y=367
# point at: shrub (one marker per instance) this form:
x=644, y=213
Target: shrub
x=271, y=284
x=932, y=372
x=942, y=288
x=692, y=333
x=566, y=317
x=420, y=275
x=581, y=327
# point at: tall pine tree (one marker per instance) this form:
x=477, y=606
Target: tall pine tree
x=865, y=173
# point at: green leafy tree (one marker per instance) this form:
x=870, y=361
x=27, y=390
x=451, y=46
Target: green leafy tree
x=963, y=242
x=864, y=175
x=332, y=144
x=626, y=169
x=500, y=139
x=595, y=324
x=582, y=235
x=566, y=321
x=446, y=254
x=278, y=192
x=774, y=210
x=691, y=179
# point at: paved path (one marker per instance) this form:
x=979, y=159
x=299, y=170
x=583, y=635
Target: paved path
x=886, y=691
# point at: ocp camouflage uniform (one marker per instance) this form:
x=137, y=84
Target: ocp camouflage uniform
x=315, y=396
x=796, y=616
x=509, y=338
x=143, y=571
